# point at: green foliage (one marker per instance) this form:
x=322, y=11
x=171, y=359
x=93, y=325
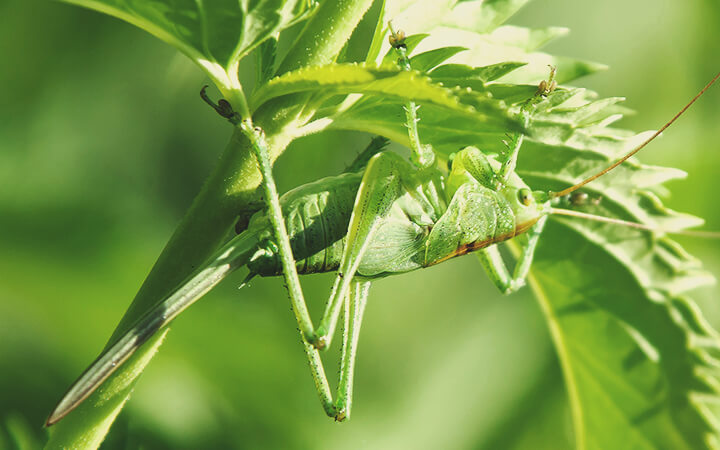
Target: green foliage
x=638, y=358
x=215, y=36
x=387, y=84
x=636, y=355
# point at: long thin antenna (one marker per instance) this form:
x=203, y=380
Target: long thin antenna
x=637, y=149
x=640, y=226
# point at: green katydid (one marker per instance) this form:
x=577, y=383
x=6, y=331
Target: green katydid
x=391, y=217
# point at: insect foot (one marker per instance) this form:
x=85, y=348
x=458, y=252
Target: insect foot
x=547, y=86
x=340, y=415
x=396, y=40
x=319, y=342
x=514, y=286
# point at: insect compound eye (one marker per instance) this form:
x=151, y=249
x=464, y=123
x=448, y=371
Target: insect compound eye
x=525, y=196
x=578, y=198
x=543, y=86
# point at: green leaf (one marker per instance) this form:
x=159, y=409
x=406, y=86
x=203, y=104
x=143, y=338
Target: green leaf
x=479, y=16
x=411, y=42
x=639, y=360
x=431, y=58
x=474, y=77
x=634, y=374
x=389, y=83
x=266, y=55
x=215, y=35
x=354, y=78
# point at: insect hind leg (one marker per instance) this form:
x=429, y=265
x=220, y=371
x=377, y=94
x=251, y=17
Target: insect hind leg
x=381, y=185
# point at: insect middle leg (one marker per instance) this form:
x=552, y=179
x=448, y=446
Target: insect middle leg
x=496, y=268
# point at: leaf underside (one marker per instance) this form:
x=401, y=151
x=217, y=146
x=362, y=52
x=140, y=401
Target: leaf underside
x=216, y=35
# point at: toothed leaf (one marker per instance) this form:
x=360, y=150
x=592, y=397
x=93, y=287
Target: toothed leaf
x=386, y=85
x=215, y=35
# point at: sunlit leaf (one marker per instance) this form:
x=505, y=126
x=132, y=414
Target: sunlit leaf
x=385, y=84
x=636, y=354
x=431, y=58
x=216, y=35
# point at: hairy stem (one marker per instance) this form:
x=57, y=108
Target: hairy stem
x=229, y=191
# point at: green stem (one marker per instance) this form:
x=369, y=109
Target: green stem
x=230, y=191
x=203, y=228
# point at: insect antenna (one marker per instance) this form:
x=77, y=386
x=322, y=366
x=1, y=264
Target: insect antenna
x=640, y=226
x=636, y=149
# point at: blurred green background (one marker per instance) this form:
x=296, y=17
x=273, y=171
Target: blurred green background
x=103, y=144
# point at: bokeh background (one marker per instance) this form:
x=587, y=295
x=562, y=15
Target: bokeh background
x=103, y=144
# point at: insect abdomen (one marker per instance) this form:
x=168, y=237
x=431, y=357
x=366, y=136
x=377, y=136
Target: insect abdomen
x=317, y=217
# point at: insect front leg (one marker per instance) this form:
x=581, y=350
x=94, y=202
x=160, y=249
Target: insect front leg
x=515, y=140
x=496, y=268
x=422, y=155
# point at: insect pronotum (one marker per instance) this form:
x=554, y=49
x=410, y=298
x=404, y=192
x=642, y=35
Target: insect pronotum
x=384, y=216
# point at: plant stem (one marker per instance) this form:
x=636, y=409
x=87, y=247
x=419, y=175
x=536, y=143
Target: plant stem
x=228, y=193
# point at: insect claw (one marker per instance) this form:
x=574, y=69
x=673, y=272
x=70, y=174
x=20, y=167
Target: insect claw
x=396, y=40
x=222, y=107
x=204, y=96
x=319, y=342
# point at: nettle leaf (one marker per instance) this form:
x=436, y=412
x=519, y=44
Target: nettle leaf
x=411, y=42
x=488, y=46
x=431, y=58
x=216, y=35
x=386, y=85
x=640, y=363
x=479, y=16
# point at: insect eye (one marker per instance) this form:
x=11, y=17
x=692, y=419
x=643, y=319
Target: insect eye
x=525, y=196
